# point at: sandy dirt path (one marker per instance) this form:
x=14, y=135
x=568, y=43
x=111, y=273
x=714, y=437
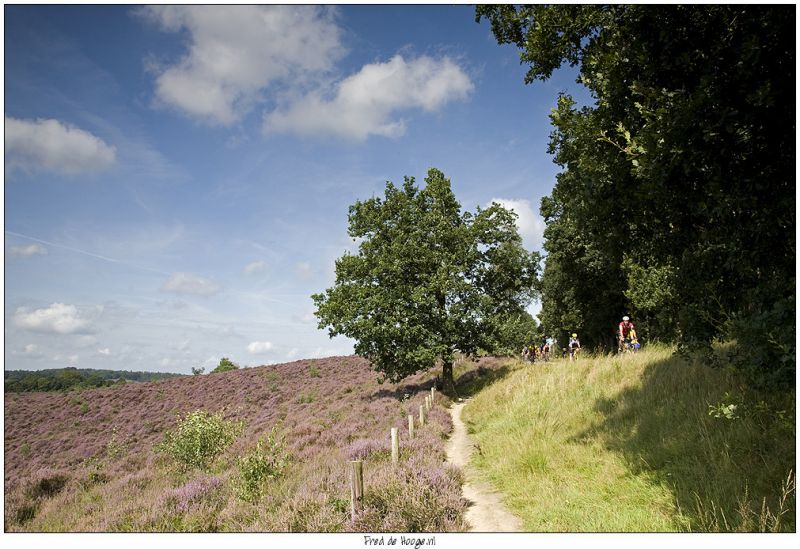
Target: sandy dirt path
x=486, y=512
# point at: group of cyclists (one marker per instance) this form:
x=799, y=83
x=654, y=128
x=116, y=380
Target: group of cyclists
x=542, y=352
x=627, y=342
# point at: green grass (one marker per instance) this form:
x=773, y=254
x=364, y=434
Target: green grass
x=623, y=444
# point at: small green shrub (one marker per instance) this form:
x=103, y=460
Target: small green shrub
x=116, y=446
x=266, y=461
x=313, y=371
x=307, y=398
x=225, y=365
x=95, y=474
x=199, y=438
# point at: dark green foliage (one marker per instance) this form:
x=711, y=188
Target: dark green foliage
x=266, y=461
x=676, y=199
x=225, y=365
x=428, y=280
x=514, y=332
x=18, y=381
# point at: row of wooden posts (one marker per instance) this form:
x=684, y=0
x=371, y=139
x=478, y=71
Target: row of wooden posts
x=356, y=466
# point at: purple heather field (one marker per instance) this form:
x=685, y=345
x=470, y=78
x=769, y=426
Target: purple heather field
x=87, y=461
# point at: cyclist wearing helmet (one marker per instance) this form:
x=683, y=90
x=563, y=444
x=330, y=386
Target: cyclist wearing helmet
x=626, y=330
x=574, y=346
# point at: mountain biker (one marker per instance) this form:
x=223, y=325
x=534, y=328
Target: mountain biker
x=626, y=327
x=574, y=346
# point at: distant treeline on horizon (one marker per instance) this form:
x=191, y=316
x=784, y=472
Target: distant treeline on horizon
x=57, y=379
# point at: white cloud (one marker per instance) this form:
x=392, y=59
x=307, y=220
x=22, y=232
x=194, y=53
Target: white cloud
x=367, y=102
x=29, y=351
x=49, y=145
x=235, y=53
x=258, y=347
x=27, y=251
x=292, y=352
x=186, y=283
x=530, y=225
x=255, y=267
x=57, y=318
x=106, y=351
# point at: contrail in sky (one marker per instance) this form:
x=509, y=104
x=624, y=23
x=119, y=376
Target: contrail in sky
x=90, y=254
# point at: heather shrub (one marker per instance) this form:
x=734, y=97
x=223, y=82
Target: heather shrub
x=363, y=448
x=266, y=461
x=199, y=438
x=193, y=493
x=23, y=500
x=412, y=497
x=46, y=483
x=194, y=506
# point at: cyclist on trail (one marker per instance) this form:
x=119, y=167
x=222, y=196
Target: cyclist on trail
x=574, y=346
x=626, y=330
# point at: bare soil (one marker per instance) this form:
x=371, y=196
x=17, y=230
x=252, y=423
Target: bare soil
x=486, y=512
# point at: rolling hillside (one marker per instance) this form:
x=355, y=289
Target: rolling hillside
x=86, y=461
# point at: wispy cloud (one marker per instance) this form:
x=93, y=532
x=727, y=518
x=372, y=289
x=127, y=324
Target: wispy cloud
x=304, y=270
x=52, y=146
x=368, y=102
x=255, y=267
x=187, y=283
x=27, y=251
x=85, y=252
x=234, y=54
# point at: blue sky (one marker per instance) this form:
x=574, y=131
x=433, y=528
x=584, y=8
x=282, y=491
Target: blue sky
x=177, y=179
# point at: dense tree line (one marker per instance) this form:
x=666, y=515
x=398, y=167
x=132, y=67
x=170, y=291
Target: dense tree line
x=676, y=201
x=19, y=381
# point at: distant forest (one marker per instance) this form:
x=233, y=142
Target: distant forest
x=19, y=381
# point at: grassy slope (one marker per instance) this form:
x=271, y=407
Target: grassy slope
x=627, y=444
x=85, y=461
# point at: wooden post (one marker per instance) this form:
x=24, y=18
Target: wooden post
x=427, y=402
x=421, y=415
x=410, y=426
x=433, y=395
x=395, y=446
x=356, y=488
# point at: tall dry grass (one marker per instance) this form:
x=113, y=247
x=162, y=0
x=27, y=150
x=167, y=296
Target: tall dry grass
x=644, y=442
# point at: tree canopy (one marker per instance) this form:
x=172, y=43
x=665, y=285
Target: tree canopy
x=676, y=199
x=225, y=365
x=428, y=280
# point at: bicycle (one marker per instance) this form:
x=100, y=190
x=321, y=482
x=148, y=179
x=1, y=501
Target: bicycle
x=629, y=346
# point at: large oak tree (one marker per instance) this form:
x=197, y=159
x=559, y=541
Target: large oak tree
x=428, y=280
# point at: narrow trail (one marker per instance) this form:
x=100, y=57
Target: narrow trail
x=486, y=512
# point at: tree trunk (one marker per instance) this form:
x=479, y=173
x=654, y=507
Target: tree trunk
x=448, y=384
